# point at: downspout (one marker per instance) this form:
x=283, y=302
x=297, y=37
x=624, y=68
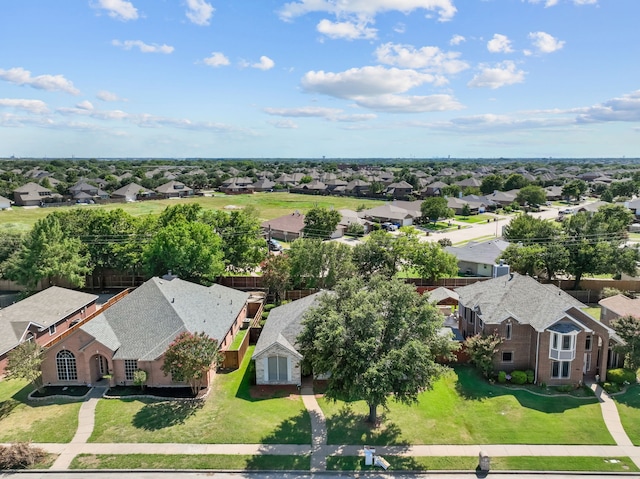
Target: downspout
x=537, y=358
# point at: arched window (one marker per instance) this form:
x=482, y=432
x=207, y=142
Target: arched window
x=66, y=365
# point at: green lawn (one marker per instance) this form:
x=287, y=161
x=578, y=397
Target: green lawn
x=481, y=218
x=191, y=461
x=268, y=205
x=628, y=405
x=237, y=341
x=506, y=463
x=593, y=311
x=464, y=409
x=229, y=415
x=52, y=420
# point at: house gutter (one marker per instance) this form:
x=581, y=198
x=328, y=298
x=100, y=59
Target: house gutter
x=537, y=356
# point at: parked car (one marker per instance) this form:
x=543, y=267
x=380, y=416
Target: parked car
x=389, y=226
x=274, y=245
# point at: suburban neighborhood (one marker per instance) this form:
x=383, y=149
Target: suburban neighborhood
x=317, y=316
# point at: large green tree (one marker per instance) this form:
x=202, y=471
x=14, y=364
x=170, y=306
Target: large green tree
x=531, y=195
x=375, y=341
x=435, y=207
x=491, y=183
x=628, y=328
x=379, y=254
x=320, y=222
x=276, y=274
x=515, y=181
x=190, y=250
x=574, y=189
x=318, y=264
x=24, y=362
x=433, y=262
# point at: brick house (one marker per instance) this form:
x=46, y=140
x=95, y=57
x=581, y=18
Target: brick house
x=42, y=317
x=615, y=307
x=543, y=329
x=135, y=332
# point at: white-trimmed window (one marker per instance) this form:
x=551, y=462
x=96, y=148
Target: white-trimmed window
x=560, y=369
x=278, y=368
x=66, y=366
x=563, y=346
x=130, y=367
x=52, y=330
x=507, y=356
x=588, y=342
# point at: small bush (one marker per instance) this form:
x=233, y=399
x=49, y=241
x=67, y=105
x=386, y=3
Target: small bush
x=20, y=455
x=611, y=387
x=518, y=377
x=265, y=314
x=620, y=376
x=531, y=376
x=502, y=377
x=268, y=307
x=565, y=388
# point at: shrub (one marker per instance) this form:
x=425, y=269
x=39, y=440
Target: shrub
x=502, y=377
x=20, y=455
x=620, y=376
x=611, y=387
x=518, y=377
x=565, y=388
x=268, y=307
x=531, y=375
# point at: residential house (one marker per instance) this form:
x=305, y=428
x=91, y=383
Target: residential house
x=263, y=184
x=237, y=185
x=277, y=359
x=503, y=198
x=5, y=203
x=433, y=189
x=348, y=217
x=358, y=188
x=458, y=206
x=136, y=331
x=42, y=317
x=477, y=259
x=32, y=194
x=132, y=192
x=543, y=329
x=83, y=192
x=391, y=214
x=174, y=189
x=615, y=307
x=400, y=190
x=472, y=182
x=285, y=228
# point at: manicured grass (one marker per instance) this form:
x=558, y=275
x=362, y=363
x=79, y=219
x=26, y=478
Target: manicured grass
x=594, y=311
x=628, y=405
x=464, y=409
x=51, y=420
x=237, y=341
x=194, y=461
x=474, y=218
x=506, y=463
x=478, y=239
x=268, y=205
x=229, y=415
x=439, y=226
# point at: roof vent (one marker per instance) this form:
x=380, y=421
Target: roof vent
x=170, y=276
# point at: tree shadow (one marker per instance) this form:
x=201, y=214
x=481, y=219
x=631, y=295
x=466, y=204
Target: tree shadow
x=160, y=415
x=249, y=391
x=293, y=430
x=7, y=407
x=348, y=427
x=630, y=398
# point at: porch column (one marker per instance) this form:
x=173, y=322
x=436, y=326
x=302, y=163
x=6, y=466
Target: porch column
x=604, y=358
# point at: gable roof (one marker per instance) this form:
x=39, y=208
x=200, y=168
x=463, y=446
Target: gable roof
x=42, y=309
x=519, y=297
x=622, y=305
x=442, y=293
x=293, y=223
x=285, y=324
x=145, y=322
x=486, y=252
x=132, y=189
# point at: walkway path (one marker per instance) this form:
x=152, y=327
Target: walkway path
x=319, y=449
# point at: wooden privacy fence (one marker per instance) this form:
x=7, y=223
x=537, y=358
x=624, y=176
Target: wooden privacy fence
x=232, y=359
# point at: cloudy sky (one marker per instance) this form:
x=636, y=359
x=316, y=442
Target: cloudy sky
x=313, y=78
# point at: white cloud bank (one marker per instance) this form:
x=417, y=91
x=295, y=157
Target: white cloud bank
x=143, y=47
x=499, y=44
x=31, y=106
x=199, y=12
x=346, y=30
x=503, y=74
x=430, y=59
x=545, y=43
x=118, y=9
x=553, y=3
x=20, y=76
x=264, y=64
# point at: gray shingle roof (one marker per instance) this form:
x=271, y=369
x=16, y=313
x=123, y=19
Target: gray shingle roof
x=481, y=253
x=146, y=321
x=442, y=293
x=284, y=324
x=519, y=297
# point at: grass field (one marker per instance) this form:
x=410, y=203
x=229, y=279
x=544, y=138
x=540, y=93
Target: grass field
x=628, y=405
x=191, y=461
x=37, y=421
x=506, y=463
x=472, y=219
x=229, y=415
x=464, y=409
x=268, y=205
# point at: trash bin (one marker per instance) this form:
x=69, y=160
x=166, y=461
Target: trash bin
x=484, y=461
x=369, y=453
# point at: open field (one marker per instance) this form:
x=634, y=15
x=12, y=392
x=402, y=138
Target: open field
x=37, y=421
x=268, y=205
x=230, y=415
x=464, y=409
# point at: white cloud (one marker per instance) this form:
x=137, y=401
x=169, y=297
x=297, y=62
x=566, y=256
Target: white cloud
x=553, y=3
x=105, y=95
x=409, y=104
x=199, y=12
x=20, y=76
x=501, y=75
x=217, y=59
x=32, y=106
x=625, y=108
x=366, y=81
x=457, y=40
x=331, y=114
x=545, y=43
x=490, y=122
x=265, y=63
x=366, y=9
x=85, y=105
x=346, y=30
x=143, y=47
x=499, y=44
x=431, y=59
x=118, y=9
x=284, y=124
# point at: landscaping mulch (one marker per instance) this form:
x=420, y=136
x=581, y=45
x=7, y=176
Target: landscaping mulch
x=74, y=391
x=269, y=392
x=169, y=393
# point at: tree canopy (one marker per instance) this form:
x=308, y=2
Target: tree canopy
x=24, y=362
x=320, y=222
x=435, y=207
x=375, y=342
x=628, y=328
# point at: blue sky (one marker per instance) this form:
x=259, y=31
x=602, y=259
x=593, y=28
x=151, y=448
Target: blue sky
x=313, y=78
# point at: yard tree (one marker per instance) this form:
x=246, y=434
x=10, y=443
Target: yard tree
x=190, y=250
x=10, y=241
x=628, y=328
x=318, y=264
x=190, y=357
x=179, y=213
x=574, y=189
x=375, y=341
x=531, y=195
x=433, y=262
x=377, y=255
x=24, y=362
x=515, y=181
x=482, y=349
x=276, y=274
x=47, y=253
x=466, y=210
x=320, y=222
x=435, y=207
x=491, y=183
